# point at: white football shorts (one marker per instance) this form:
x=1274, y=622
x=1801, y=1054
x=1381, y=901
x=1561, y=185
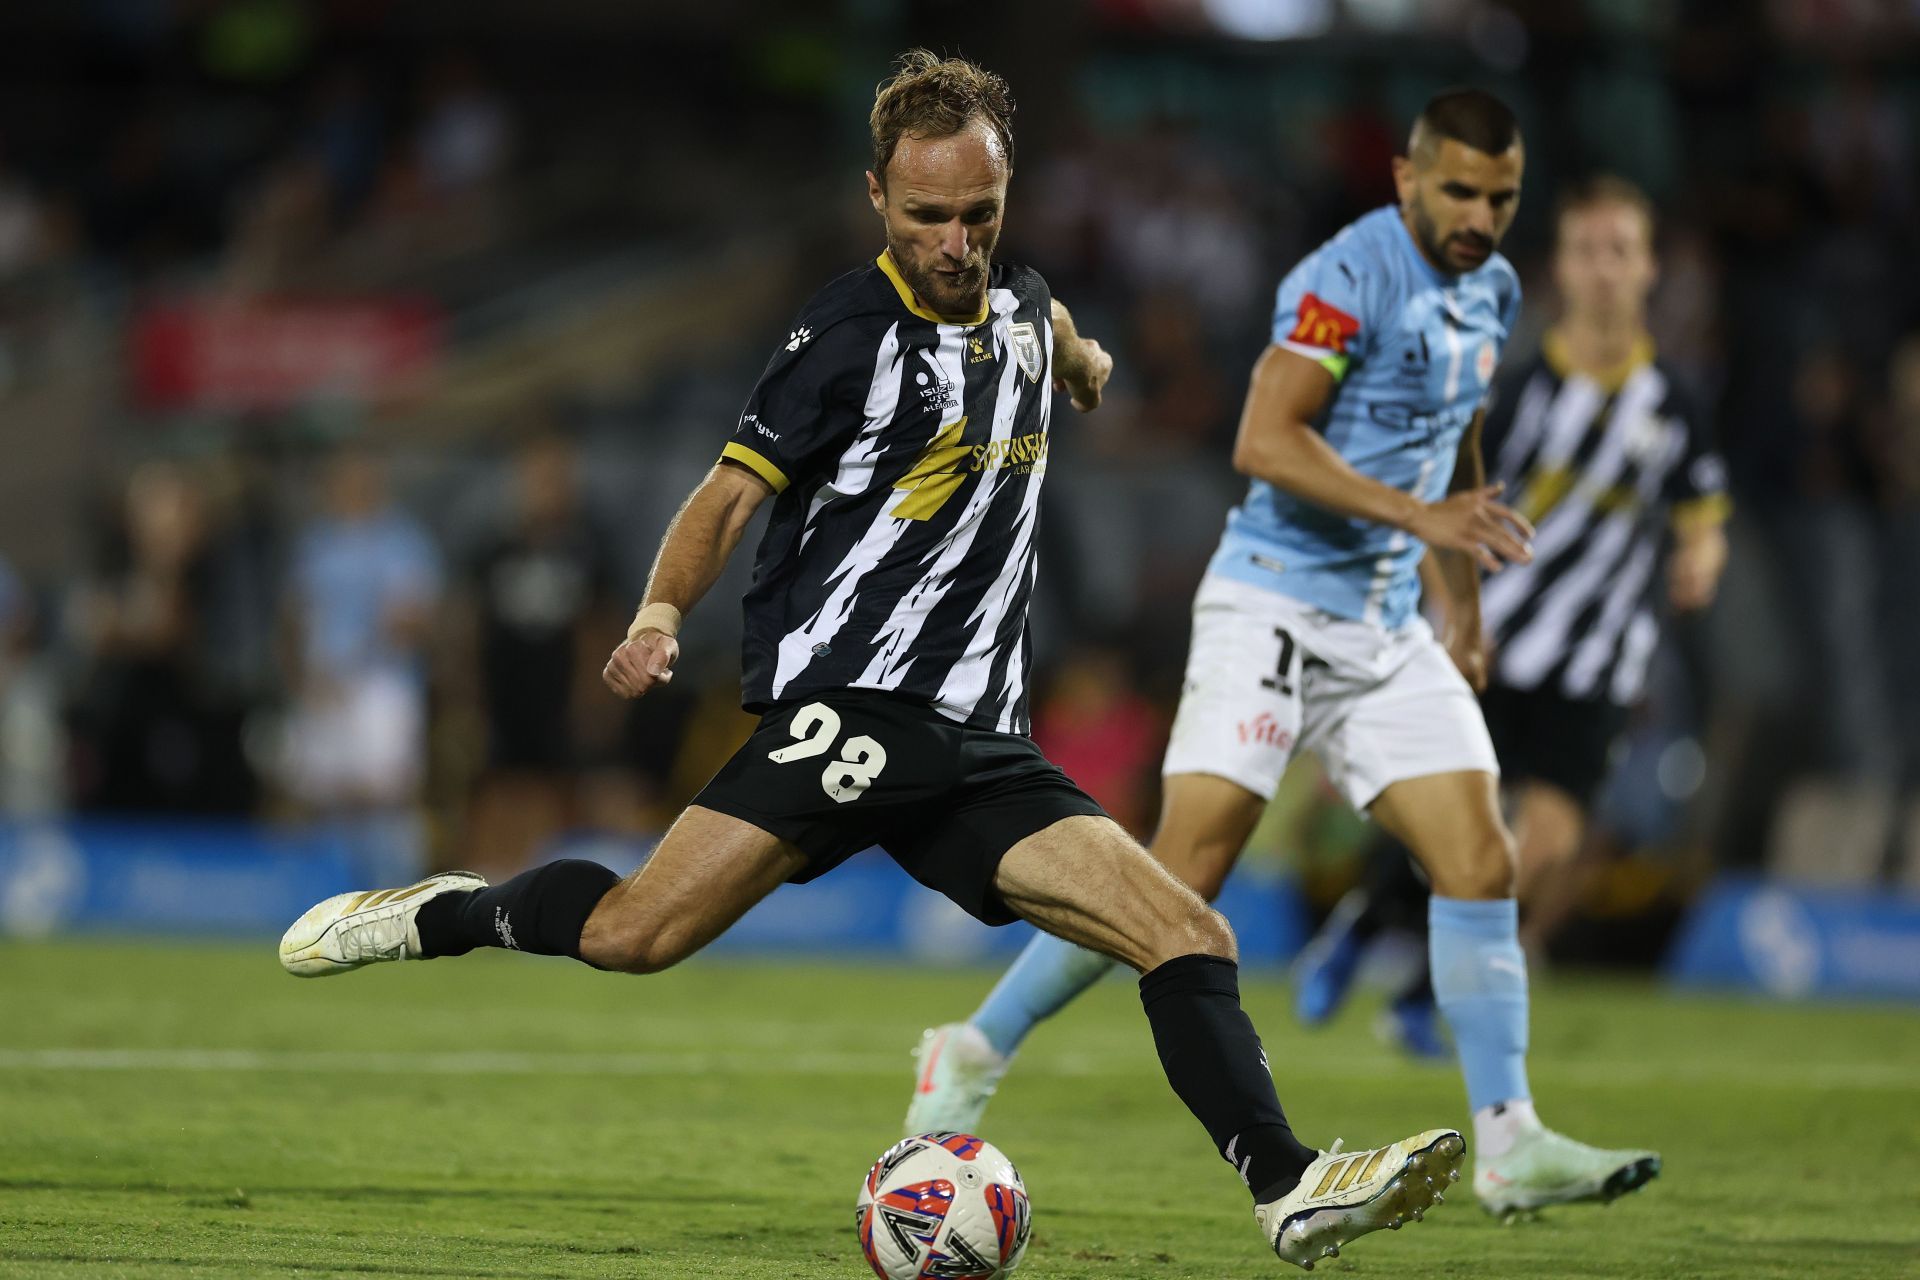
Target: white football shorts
x=1268, y=674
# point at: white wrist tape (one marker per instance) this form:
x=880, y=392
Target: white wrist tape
x=655, y=617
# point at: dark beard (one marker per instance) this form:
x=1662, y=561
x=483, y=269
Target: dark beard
x=927, y=287
x=1430, y=243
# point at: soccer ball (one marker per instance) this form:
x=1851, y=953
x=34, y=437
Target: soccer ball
x=943, y=1206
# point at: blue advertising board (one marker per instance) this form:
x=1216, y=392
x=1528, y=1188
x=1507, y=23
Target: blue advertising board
x=164, y=877
x=203, y=878
x=1798, y=941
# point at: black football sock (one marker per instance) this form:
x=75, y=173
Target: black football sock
x=1214, y=1061
x=1403, y=893
x=1376, y=903
x=541, y=912
x=1396, y=895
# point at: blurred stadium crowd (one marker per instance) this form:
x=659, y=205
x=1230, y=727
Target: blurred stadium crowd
x=353, y=355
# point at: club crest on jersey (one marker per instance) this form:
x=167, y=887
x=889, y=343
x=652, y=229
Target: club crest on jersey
x=1323, y=325
x=1026, y=348
x=1483, y=364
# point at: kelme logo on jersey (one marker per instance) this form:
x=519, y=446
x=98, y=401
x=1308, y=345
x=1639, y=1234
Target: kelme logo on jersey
x=1026, y=348
x=1323, y=325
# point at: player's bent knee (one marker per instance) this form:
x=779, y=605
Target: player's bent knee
x=1490, y=871
x=1214, y=936
x=1478, y=870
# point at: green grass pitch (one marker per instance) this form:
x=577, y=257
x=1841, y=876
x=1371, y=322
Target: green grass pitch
x=186, y=1111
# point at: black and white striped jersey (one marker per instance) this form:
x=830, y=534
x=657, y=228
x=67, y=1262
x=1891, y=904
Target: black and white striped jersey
x=1602, y=470
x=907, y=449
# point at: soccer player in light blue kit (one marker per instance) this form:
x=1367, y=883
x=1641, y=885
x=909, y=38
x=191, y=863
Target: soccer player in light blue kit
x=1361, y=438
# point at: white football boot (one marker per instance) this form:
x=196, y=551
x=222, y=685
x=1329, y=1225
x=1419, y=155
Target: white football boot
x=957, y=1074
x=353, y=929
x=1343, y=1195
x=1546, y=1168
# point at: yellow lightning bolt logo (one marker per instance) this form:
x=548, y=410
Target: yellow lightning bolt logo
x=935, y=475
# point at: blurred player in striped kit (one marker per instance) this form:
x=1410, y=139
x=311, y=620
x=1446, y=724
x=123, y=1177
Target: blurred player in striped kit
x=1604, y=451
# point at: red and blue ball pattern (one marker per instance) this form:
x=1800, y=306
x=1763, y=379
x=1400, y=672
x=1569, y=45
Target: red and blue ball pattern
x=1012, y=1219
x=943, y=1206
x=963, y=1145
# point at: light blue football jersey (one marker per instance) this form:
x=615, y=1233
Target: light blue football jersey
x=1413, y=351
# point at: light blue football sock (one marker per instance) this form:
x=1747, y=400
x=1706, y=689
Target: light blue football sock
x=1043, y=981
x=1480, y=982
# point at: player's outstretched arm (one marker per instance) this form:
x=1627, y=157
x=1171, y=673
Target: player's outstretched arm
x=1081, y=366
x=695, y=549
x=1279, y=444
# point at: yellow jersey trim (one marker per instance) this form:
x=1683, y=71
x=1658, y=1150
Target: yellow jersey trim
x=1714, y=508
x=911, y=301
x=756, y=464
x=1554, y=347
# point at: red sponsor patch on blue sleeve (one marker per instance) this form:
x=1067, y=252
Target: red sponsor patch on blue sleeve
x=1323, y=325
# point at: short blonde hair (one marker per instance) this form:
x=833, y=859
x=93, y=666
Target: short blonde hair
x=929, y=96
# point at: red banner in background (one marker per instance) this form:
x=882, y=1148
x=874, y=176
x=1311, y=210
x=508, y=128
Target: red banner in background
x=271, y=353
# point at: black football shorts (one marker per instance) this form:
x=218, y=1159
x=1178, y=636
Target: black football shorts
x=1544, y=737
x=857, y=768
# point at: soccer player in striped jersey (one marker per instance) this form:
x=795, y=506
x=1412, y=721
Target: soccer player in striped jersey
x=1603, y=449
x=1361, y=438
x=901, y=432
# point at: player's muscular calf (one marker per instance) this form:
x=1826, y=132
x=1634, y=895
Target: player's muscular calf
x=708, y=871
